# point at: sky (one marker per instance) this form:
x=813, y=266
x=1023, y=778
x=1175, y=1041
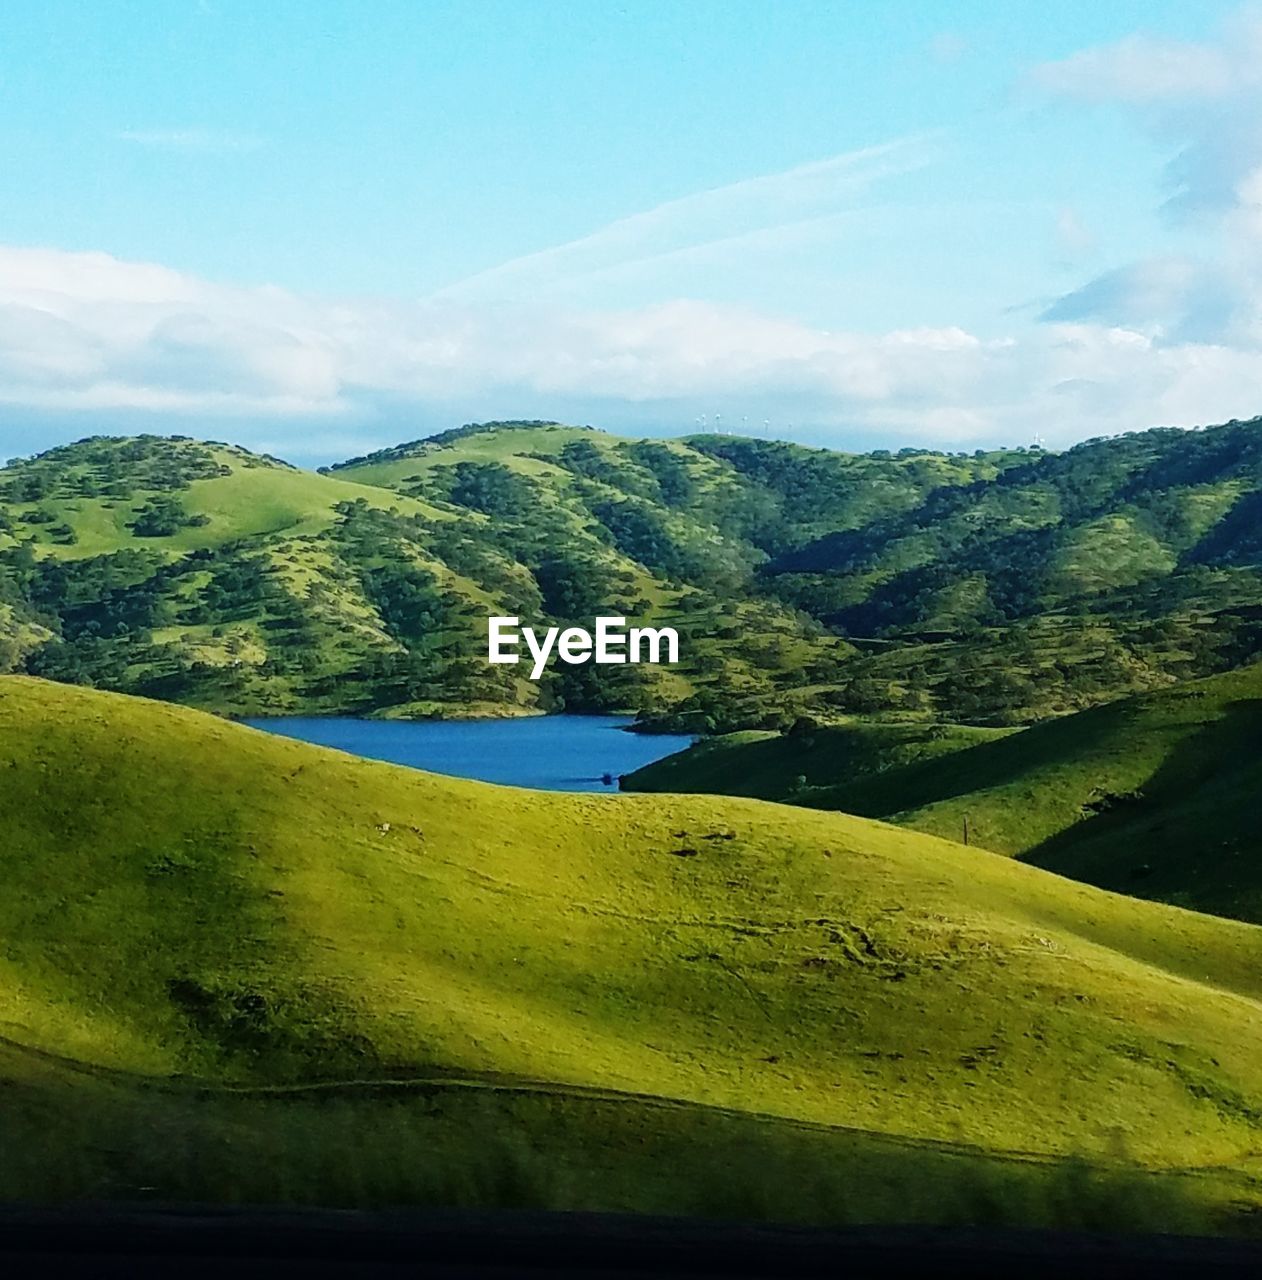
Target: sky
x=322, y=227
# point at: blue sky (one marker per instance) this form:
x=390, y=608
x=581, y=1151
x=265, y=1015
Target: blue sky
x=321, y=227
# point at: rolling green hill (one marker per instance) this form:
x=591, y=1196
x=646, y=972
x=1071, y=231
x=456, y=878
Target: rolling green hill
x=994, y=589
x=207, y=575
x=234, y=964
x=1121, y=562
x=1154, y=795
x=832, y=766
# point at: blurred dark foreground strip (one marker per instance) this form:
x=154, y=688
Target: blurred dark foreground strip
x=184, y=1241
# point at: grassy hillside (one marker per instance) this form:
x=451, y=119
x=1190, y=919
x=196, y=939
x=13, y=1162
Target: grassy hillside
x=1106, y=515
x=207, y=575
x=697, y=518
x=997, y=588
x=201, y=923
x=829, y=766
x=1154, y=795
x=994, y=589
x=1121, y=562
x=210, y=575
x=97, y=490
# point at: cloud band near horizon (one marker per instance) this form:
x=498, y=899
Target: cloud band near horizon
x=90, y=334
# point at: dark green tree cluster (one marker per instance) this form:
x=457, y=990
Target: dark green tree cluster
x=164, y=516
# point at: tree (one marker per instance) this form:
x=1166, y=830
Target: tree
x=10, y=653
x=164, y=516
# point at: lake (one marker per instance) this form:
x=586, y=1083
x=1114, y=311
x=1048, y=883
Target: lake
x=551, y=753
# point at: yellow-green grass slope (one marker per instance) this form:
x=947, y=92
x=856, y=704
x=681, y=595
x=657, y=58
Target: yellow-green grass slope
x=252, y=497
x=1154, y=795
x=828, y=766
x=309, y=634
x=200, y=922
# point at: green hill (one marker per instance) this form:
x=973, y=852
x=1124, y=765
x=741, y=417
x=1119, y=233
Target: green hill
x=1154, y=795
x=1121, y=562
x=994, y=589
x=238, y=966
x=827, y=766
x=207, y=575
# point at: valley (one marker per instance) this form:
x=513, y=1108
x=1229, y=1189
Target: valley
x=951, y=915
x=631, y=639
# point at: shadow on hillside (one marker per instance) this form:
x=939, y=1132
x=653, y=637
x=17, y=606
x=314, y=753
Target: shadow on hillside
x=1180, y=837
x=978, y=768
x=70, y=1137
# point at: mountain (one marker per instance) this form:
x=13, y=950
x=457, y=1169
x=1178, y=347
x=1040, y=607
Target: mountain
x=993, y=589
x=204, y=574
x=1154, y=795
x=237, y=966
x=1119, y=563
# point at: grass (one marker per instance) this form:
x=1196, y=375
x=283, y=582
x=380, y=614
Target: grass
x=450, y=1145
x=830, y=766
x=1153, y=795
x=248, y=502
x=511, y=445
x=193, y=909
x=1114, y=551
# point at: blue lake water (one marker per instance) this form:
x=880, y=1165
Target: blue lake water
x=552, y=753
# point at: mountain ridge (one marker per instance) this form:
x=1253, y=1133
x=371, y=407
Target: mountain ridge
x=987, y=588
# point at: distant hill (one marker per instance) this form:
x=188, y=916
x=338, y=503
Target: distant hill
x=203, y=574
x=996, y=588
x=236, y=966
x=1119, y=561
x=993, y=589
x=1155, y=795
x=1103, y=517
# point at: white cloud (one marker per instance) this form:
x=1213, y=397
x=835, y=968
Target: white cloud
x=1202, y=99
x=92, y=334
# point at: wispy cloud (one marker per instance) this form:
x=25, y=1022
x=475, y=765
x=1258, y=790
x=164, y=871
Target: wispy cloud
x=1173, y=299
x=1142, y=69
x=793, y=201
x=203, y=140
x=1201, y=99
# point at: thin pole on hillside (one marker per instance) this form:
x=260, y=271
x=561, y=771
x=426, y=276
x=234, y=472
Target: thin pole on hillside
x=966, y=828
